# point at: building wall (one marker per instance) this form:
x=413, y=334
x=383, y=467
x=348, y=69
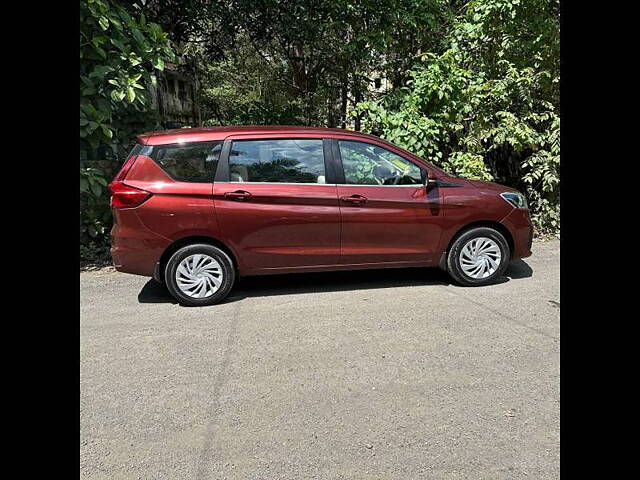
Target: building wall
x=175, y=99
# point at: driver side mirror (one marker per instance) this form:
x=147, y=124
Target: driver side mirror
x=426, y=181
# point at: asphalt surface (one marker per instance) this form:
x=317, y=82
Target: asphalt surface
x=386, y=374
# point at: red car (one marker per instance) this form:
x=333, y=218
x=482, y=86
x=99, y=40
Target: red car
x=196, y=208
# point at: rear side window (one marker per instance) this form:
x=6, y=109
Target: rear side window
x=277, y=161
x=128, y=163
x=137, y=148
x=191, y=162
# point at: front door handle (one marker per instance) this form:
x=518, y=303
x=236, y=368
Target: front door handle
x=238, y=195
x=355, y=199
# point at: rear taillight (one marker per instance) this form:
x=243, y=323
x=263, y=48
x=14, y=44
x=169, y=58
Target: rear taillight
x=125, y=196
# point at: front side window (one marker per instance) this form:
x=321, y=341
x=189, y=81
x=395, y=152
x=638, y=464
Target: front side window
x=190, y=162
x=368, y=164
x=277, y=161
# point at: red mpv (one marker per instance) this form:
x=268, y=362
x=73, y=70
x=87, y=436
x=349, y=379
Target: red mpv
x=195, y=208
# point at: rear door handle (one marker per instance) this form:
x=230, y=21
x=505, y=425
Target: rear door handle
x=355, y=199
x=238, y=195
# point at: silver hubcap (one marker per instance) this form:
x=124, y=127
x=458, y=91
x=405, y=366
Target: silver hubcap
x=480, y=257
x=199, y=276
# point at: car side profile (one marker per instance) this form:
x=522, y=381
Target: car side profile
x=196, y=208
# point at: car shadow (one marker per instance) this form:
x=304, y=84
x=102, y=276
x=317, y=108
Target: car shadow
x=518, y=269
x=272, y=285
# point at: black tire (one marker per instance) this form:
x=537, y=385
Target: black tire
x=228, y=274
x=453, y=257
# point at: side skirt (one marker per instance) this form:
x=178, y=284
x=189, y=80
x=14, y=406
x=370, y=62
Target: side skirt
x=333, y=268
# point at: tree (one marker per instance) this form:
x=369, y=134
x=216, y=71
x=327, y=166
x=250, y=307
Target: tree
x=488, y=106
x=119, y=53
x=297, y=61
x=118, y=56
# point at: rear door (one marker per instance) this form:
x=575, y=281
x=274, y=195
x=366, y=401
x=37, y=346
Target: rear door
x=387, y=216
x=275, y=203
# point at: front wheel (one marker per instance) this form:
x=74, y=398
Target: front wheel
x=478, y=257
x=199, y=275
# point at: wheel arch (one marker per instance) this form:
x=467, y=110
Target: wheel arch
x=190, y=240
x=480, y=223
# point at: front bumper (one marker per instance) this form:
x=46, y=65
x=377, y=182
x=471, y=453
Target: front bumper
x=518, y=222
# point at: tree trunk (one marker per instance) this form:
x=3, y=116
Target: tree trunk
x=331, y=111
x=296, y=58
x=343, y=104
x=357, y=98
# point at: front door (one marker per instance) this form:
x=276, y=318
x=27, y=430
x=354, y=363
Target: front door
x=274, y=205
x=387, y=216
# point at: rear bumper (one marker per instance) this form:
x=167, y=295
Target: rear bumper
x=134, y=248
x=519, y=224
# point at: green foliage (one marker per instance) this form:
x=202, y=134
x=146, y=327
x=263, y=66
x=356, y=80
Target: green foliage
x=95, y=215
x=488, y=106
x=542, y=179
x=299, y=61
x=468, y=165
x=119, y=53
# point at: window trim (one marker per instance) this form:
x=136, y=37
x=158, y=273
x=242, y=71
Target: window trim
x=409, y=185
x=210, y=174
x=223, y=171
x=337, y=159
x=277, y=183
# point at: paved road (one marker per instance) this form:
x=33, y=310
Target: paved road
x=392, y=374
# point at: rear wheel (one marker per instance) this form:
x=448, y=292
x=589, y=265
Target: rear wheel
x=478, y=257
x=199, y=275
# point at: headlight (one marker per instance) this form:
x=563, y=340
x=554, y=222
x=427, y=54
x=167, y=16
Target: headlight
x=515, y=198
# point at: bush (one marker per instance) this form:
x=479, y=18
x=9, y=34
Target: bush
x=119, y=55
x=95, y=214
x=488, y=107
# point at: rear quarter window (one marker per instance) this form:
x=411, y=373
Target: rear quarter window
x=192, y=162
